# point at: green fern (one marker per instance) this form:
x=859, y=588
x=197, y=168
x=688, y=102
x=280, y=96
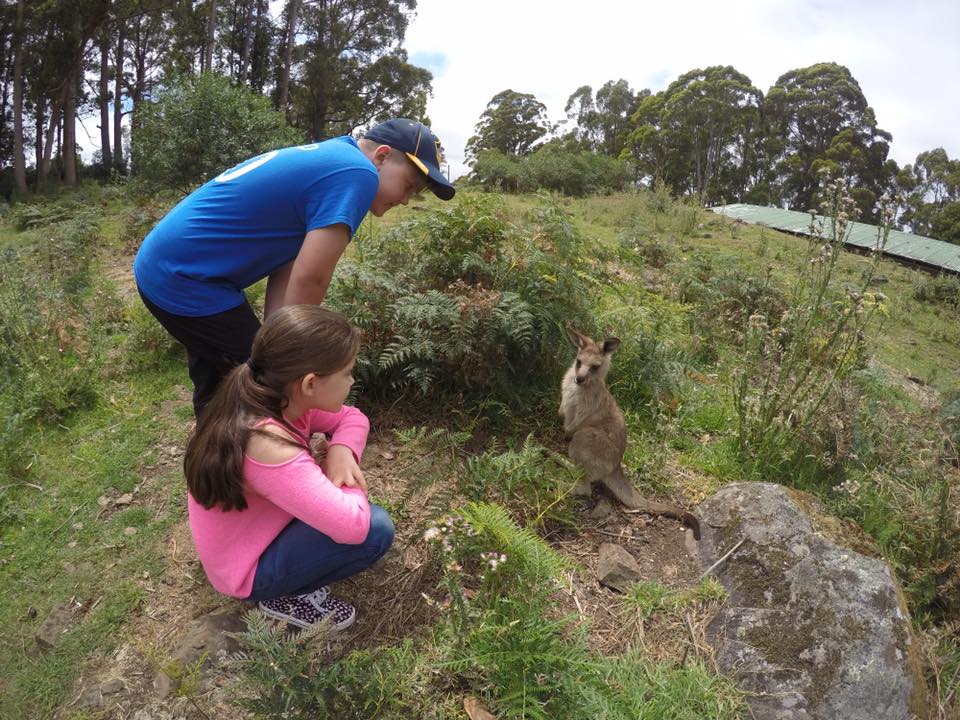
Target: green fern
x=541, y=567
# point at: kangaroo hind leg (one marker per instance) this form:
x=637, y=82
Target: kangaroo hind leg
x=622, y=489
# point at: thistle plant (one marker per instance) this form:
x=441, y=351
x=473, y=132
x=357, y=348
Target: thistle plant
x=468, y=573
x=792, y=363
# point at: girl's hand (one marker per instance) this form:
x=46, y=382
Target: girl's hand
x=341, y=469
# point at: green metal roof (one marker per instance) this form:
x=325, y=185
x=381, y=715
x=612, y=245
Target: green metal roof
x=915, y=248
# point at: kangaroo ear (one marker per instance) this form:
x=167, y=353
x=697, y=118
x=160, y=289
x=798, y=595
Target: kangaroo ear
x=610, y=345
x=575, y=338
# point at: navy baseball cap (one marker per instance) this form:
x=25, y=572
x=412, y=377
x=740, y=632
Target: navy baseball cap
x=420, y=145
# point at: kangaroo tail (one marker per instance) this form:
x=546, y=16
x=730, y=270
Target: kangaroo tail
x=636, y=502
x=687, y=518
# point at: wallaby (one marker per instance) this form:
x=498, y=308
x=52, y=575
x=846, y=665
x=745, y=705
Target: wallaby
x=594, y=425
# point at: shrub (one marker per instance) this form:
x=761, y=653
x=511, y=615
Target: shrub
x=499, y=172
x=576, y=173
x=140, y=220
x=724, y=297
x=944, y=289
x=647, y=246
x=464, y=303
x=53, y=332
x=793, y=363
x=199, y=126
x=552, y=168
x=26, y=216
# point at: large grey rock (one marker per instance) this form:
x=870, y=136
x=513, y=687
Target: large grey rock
x=815, y=629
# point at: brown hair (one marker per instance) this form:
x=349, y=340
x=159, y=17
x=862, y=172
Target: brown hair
x=294, y=341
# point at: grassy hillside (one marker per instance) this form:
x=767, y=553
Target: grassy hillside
x=92, y=518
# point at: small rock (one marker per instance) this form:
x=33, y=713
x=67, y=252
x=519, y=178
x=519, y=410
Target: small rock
x=112, y=686
x=475, y=709
x=91, y=698
x=31, y=612
x=616, y=568
x=57, y=623
x=209, y=635
x=387, y=455
x=103, y=501
x=123, y=500
x=130, y=531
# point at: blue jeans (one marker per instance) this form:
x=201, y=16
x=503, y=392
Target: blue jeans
x=301, y=559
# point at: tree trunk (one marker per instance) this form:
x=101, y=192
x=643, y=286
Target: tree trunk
x=293, y=9
x=118, y=100
x=259, y=59
x=106, y=159
x=7, y=75
x=211, y=33
x=38, y=112
x=248, y=32
x=19, y=163
x=53, y=123
x=69, y=153
x=139, y=78
x=59, y=153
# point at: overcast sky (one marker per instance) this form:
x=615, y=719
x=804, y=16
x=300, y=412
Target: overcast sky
x=905, y=55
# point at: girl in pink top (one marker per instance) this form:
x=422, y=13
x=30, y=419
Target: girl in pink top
x=269, y=523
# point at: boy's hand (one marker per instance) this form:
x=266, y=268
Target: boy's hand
x=341, y=469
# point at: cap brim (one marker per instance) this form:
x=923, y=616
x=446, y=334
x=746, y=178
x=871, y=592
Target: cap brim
x=440, y=186
x=437, y=181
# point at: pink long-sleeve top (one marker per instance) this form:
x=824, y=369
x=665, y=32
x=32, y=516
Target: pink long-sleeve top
x=230, y=543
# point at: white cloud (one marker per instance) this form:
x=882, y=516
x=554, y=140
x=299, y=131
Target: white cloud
x=906, y=56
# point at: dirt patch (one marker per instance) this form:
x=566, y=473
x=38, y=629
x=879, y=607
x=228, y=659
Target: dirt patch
x=662, y=549
x=121, y=276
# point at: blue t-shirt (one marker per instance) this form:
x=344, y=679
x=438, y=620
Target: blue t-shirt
x=249, y=221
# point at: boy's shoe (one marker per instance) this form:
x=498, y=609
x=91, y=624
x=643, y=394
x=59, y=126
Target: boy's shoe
x=309, y=609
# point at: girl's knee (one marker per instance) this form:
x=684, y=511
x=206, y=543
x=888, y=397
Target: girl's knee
x=380, y=535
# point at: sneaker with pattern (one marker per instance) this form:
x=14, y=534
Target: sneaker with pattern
x=310, y=608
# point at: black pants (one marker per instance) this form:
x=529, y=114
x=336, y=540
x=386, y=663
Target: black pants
x=215, y=344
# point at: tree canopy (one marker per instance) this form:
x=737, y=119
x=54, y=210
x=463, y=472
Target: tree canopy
x=712, y=135
x=329, y=67
x=512, y=123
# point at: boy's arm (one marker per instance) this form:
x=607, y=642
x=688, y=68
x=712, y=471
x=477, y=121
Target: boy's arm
x=276, y=289
x=310, y=274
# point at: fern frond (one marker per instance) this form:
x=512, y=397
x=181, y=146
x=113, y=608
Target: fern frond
x=540, y=563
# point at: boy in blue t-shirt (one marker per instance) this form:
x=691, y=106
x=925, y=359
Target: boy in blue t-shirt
x=286, y=215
